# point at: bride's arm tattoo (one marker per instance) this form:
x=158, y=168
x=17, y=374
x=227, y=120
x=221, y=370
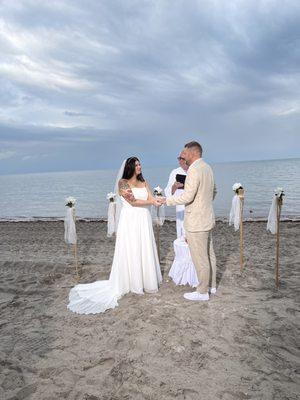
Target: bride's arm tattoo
x=125, y=191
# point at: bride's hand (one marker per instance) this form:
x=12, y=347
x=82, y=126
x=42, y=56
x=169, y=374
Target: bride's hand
x=156, y=202
x=162, y=200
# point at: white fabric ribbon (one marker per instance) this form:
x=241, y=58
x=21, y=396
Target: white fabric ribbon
x=70, y=228
x=234, y=217
x=272, y=218
x=158, y=215
x=111, y=221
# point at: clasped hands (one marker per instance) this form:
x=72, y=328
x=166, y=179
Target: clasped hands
x=159, y=201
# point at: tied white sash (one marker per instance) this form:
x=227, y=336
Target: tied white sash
x=234, y=217
x=272, y=218
x=70, y=228
x=158, y=215
x=111, y=220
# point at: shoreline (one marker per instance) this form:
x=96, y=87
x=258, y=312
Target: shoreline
x=104, y=220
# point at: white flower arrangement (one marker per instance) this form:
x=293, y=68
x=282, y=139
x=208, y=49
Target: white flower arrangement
x=70, y=202
x=279, y=192
x=157, y=191
x=111, y=196
x=236, y=187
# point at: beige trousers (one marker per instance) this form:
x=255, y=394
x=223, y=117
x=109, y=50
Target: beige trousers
x=204, y=259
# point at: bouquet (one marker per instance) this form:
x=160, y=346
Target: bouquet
x=157, y=191
x=279, y=192
x=111, y=197
x=236, y=187
x=70, y=202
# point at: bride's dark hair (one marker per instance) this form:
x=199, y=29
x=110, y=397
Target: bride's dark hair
x=130, y=168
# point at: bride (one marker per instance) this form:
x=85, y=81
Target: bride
x=135, y=265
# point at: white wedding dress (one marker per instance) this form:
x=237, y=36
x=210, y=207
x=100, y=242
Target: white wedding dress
x=135, y=265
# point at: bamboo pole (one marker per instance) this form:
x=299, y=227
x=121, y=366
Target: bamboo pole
x=279, y=204
x=241, y=194
x=75, y=250
x=76, y=261
x=158, y=242
x=158, y=235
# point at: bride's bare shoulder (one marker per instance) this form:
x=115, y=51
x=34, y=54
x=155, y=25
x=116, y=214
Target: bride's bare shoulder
x=123, y=184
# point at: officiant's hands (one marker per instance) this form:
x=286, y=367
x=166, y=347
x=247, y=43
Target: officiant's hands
x=176, y=185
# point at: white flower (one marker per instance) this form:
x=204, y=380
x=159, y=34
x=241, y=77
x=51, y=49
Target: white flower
x=236, y=186
x=111, y=196
x=279, y=191
x=158, y=190
x=70, y=201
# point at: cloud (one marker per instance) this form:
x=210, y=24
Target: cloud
x=25, y=158
x=4, y=155
x=75, y=114
x=293, y=110
x=34, y=157
x=142, y=72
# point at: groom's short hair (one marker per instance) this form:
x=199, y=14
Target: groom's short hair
x=194, y=145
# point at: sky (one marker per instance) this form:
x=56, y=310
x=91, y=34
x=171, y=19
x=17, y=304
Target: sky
x=87, y=83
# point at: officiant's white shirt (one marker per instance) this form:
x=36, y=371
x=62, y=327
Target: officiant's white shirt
x=178, y=192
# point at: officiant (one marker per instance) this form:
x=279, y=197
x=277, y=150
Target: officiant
x=175, y=187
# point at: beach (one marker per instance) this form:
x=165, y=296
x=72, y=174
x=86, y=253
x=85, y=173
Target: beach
x=242, y=344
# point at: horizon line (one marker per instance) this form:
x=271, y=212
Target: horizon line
x=159, y=166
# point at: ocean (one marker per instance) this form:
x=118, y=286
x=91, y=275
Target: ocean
x=42, y=195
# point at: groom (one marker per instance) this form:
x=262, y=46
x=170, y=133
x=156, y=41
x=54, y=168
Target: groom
x=199, y=219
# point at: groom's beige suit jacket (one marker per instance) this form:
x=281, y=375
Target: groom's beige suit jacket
x=198, y=195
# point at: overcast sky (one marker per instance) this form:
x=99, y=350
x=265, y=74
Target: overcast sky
x=86, y=83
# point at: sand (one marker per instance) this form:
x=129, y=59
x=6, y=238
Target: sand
x=242, y=344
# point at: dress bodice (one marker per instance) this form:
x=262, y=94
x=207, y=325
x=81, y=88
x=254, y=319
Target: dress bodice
x=139, y=194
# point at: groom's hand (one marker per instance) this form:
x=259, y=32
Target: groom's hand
x=162, y=200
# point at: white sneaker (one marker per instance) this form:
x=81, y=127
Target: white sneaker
x=196, y=296
x=212, y=290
